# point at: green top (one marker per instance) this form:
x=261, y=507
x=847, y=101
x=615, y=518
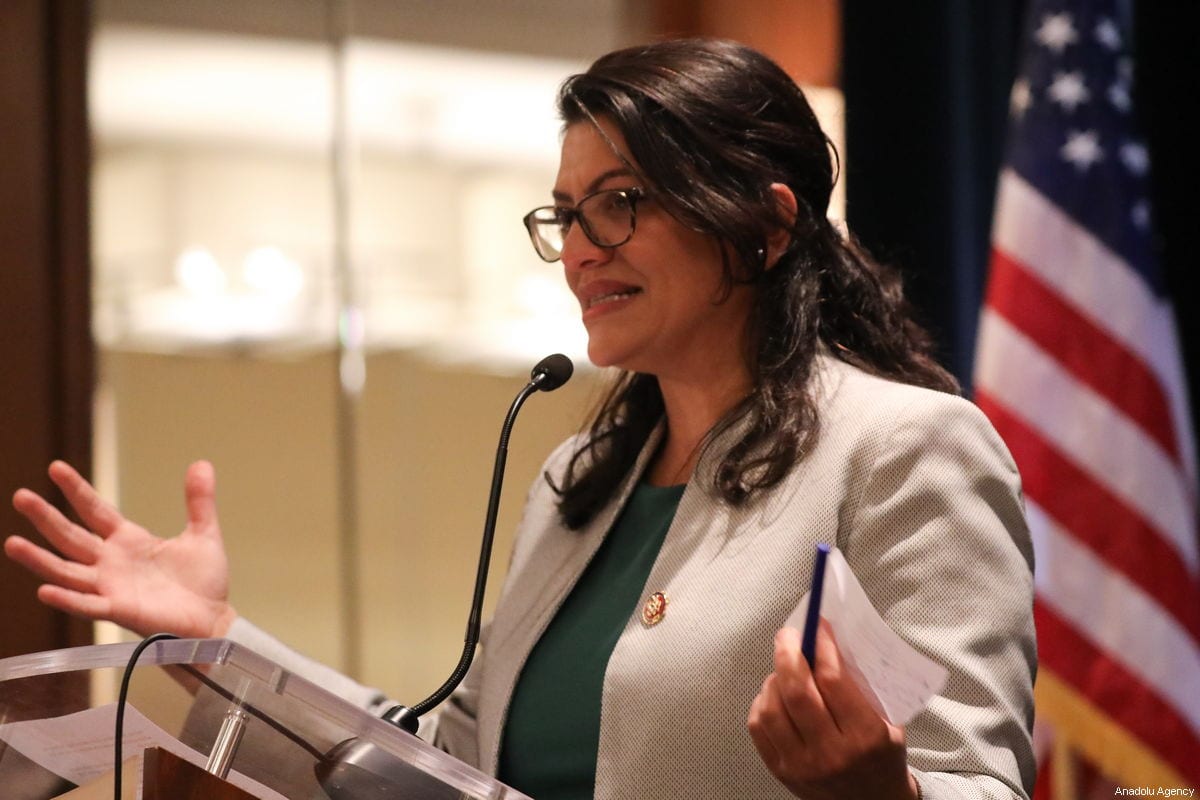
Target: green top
x=552, y=735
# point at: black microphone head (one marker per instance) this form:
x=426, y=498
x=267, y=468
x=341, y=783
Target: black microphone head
x=552, y=372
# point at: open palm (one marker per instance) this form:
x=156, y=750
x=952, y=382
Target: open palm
x=116, y=570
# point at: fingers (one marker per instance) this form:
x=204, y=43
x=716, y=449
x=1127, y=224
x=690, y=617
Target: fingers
x=48, y=566
x=771, y=725
x=79, y=604
x=67, y=537
x=798, y=691
x=200, y=493
x=94, y=510
x=815, y=731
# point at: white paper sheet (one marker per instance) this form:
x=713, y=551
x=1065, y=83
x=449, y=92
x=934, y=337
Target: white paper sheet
x=79, y=746
x=896, y=679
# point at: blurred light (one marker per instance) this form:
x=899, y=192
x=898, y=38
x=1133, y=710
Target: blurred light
x=540, y=295
x=198, y=272
x=201, y=87
x=408, y=98
x=352, y=328
x=457, y=104
x=352, y=371
x=269, y=271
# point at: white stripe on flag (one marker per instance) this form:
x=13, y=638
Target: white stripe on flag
x=1087, y=429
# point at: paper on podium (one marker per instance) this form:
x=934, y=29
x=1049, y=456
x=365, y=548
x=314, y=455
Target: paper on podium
x=79, y=746
x=896, y=680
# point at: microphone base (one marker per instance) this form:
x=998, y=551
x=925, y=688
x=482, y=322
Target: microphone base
x=404, y=718
x=356, y=770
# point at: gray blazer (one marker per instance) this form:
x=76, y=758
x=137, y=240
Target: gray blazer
x=916, y=489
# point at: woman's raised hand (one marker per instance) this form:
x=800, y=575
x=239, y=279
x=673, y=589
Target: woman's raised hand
x=817, y=733
x=116, y=570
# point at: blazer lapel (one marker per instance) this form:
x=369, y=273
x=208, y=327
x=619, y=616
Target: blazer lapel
x=534, y=591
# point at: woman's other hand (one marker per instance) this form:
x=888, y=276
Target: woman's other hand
x=116, y=570
x=817, y=733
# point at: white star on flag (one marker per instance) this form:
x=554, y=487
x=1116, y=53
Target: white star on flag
x=1140, y=213
x=1020, y=99
x=1082, y=149
x=1069, y=90
x=1108, y=34
x=1057, y=32
x=1135, y=157
x=1118, y=95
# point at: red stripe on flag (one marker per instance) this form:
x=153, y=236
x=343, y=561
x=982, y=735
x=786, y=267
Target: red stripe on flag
x=1118, y=693
x=1043, y=788
x=1085, y=349
x=1097, y=518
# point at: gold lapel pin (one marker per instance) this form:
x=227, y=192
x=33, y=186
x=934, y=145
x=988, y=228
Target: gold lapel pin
x=655, y=609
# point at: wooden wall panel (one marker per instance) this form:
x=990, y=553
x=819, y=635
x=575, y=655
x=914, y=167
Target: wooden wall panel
x=46, y=353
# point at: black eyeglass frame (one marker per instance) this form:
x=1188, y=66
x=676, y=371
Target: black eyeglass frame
x=632, y=195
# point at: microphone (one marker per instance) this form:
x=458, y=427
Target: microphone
x=352, y=759
x=551, y=372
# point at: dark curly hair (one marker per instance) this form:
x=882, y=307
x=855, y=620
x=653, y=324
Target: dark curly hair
x=712, y=124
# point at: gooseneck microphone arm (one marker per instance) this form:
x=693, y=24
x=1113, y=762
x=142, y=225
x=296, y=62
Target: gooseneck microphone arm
x=549, y=374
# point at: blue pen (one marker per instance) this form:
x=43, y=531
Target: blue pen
x=808, y=644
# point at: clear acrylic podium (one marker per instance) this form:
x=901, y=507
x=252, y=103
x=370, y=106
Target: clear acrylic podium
x=272, y=733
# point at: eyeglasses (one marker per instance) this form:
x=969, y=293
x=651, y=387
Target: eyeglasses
x=607, y=218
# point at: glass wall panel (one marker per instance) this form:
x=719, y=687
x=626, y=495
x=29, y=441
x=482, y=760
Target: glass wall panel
x=277, y=184
x=214, y=299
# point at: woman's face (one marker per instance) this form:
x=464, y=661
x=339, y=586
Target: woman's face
x=656, y=304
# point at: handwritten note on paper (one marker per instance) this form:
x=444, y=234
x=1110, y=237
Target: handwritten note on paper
x=896, y=679
x=79, y=746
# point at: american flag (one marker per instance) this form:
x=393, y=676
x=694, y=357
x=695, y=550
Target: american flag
x=1078, y=366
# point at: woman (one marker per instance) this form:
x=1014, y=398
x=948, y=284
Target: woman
x=773, y=394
